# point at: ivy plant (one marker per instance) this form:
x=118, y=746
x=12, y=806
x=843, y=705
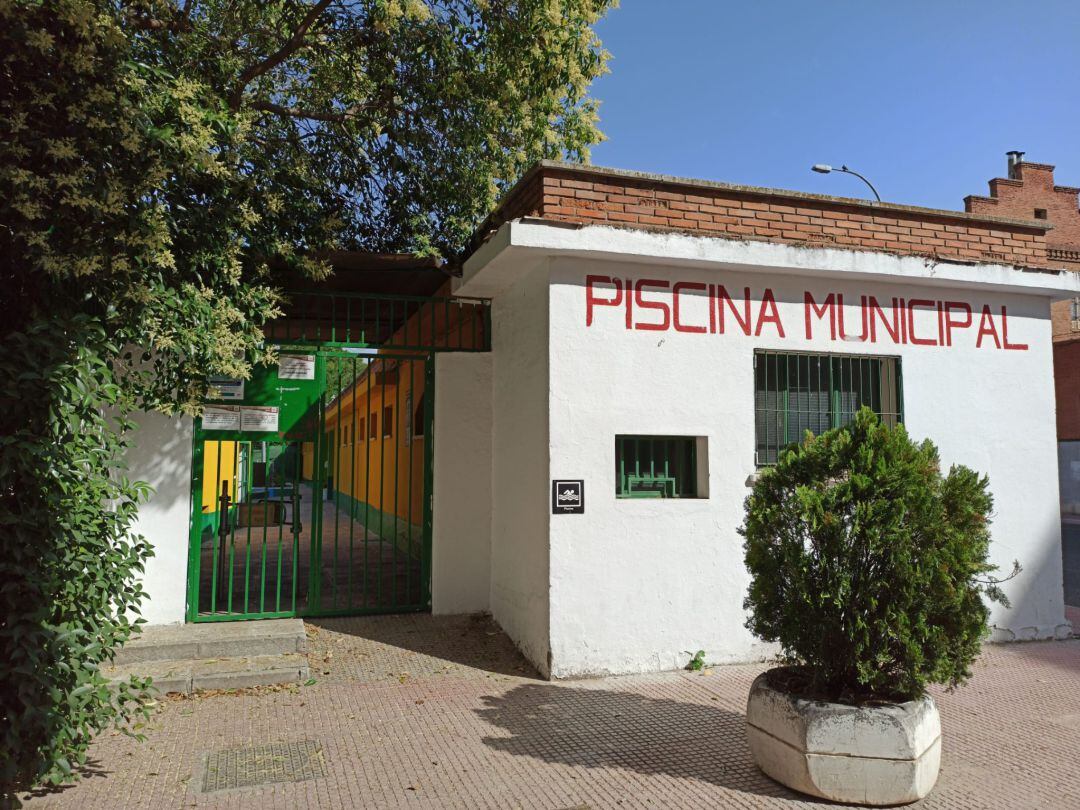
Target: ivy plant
x=69, y=571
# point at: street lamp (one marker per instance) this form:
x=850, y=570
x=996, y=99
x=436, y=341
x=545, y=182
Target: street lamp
x=825, y=168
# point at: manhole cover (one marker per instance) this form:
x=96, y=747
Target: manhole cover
x=262, y=765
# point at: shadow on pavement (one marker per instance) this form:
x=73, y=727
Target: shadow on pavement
x=367, y=647
x=599, y=728
x=91, y=769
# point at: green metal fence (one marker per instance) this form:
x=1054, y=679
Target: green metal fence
x=796, y=392
x=311, y=513
x=392, y=322
x=375, y=530
x=321, y=505
x=246, y=539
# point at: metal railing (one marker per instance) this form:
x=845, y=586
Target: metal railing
x=329, y=515
x=656, y=466
x=247, y=537
x=399, y=322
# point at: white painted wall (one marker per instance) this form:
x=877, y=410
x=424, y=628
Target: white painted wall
x=519, y=548
x=635, y=584
x=461, y=491
x=161, y=455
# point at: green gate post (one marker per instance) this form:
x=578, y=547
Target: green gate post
x=318, y=484
x=194, y=527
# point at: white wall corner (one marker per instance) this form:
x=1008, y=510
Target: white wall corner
x=520, y=519
x=161, y=455
x=462, y=484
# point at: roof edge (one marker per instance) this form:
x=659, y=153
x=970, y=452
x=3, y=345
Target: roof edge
x=759, y=191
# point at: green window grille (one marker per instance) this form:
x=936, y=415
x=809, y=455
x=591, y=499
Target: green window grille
x=795, y=392
x=656, y=467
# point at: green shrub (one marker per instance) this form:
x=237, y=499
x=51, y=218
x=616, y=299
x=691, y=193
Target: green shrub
x=69, y=563
x=868, y=566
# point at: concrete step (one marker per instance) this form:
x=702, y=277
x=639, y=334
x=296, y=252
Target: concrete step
x=234, y=672
x=212, y=640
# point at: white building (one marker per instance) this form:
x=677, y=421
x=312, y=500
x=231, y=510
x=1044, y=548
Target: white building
x=653, y=341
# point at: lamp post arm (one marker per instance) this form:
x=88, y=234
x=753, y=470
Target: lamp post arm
x=846, y=170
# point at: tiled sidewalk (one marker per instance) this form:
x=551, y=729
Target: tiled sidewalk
x=427, y=712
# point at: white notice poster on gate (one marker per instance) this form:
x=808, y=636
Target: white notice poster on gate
x=296, y=367
x=260, y=419
x=221, y=417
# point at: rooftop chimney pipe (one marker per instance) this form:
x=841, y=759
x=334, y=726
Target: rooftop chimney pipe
x=1015, y=159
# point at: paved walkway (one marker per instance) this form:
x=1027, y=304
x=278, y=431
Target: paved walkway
x=422, y=712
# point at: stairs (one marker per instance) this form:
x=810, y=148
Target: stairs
x=226, y=655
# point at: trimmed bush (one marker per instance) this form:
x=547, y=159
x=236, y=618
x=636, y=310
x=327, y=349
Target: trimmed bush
x=868, y=565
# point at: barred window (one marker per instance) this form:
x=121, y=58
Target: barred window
x=660, y=467
x=795, y=392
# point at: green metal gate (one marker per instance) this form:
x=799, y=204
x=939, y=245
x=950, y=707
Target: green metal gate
x=311, y=488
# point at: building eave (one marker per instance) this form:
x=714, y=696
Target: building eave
x=519, y=245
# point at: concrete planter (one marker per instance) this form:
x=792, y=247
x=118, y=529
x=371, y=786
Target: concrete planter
x=874, y=755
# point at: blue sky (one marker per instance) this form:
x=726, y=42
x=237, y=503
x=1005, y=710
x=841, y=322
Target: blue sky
x=922, y=97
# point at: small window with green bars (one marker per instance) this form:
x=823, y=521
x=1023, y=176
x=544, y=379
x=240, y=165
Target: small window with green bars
x=658, y=467
x=796, y=392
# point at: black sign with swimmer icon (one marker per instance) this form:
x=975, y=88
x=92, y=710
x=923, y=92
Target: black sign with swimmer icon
x=567, y=497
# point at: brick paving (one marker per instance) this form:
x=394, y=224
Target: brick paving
x=423, y=712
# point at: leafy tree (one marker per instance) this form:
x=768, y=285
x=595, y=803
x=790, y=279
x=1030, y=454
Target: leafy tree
x=868, y=565
x=155, y=158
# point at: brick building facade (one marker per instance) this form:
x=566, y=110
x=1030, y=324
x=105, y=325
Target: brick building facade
x=1029, y=192
x=1027, y=220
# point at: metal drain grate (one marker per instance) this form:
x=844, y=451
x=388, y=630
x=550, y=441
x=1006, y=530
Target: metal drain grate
x=262, y=765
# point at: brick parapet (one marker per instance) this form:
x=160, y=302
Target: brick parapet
x=1030, y=190
x=591, y=195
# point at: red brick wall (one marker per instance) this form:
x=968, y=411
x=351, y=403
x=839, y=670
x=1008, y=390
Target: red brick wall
x=1064, y=327
x=1033, y=188
x=599, y=196
x=1067, y=381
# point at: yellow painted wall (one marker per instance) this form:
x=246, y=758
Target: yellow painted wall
x=384, y=472
x=214, y=475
